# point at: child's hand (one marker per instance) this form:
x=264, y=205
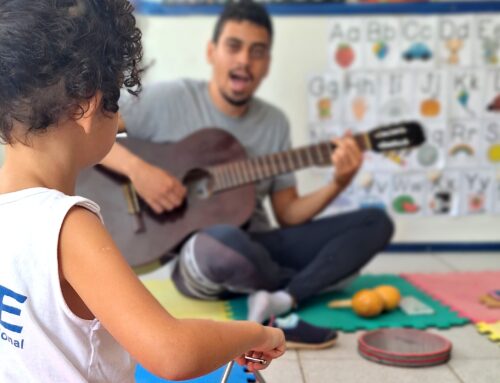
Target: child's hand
x=272, y=349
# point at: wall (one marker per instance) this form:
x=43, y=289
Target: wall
x=177, y=46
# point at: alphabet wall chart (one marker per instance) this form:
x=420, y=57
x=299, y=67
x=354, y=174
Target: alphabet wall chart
x=443, y=70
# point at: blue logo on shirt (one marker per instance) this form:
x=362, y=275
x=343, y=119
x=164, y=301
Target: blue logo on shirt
x=5, y=292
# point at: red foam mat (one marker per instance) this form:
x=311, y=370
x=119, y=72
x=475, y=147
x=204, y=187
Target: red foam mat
x=461, y=291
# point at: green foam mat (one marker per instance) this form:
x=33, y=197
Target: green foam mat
x=316, y=311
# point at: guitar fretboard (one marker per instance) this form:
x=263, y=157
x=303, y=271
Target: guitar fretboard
x=238, y=173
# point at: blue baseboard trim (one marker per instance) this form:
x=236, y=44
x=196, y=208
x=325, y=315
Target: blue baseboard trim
x=409, y=247
x=327, y=9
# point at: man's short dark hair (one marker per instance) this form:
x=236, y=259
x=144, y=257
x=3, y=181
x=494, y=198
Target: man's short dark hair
x=244, y=10
x=55, y=55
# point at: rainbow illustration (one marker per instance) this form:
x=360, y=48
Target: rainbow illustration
x=461, y=148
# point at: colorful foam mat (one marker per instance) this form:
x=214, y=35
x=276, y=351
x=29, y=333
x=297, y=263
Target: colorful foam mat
x=461, y=291
x=491, y=330
x=182, y=307
x=238, y=375
x=315, y=311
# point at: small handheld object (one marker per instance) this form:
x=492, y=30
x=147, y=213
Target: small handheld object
x=413, y=306
x=256, y=360
x=229, y=366
x=371, y=302
x=495, y=294
x=489, y=301
x=227, y=372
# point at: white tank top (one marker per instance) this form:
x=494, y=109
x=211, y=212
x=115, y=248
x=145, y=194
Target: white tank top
x=41, y=340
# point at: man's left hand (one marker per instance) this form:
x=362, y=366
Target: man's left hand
x=347, y=159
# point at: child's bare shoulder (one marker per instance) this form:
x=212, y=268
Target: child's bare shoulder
x=83, y=236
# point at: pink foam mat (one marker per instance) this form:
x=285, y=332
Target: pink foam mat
x=461, y=291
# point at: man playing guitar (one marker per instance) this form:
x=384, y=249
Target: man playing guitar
x=279, y=268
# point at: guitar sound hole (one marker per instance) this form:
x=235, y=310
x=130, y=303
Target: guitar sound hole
x=199, y=184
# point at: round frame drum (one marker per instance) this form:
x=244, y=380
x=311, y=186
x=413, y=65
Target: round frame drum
x=404, y=347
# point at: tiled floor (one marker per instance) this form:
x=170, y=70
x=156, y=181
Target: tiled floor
x=474, y=359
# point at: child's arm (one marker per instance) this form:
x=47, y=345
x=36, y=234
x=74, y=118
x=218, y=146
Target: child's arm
x=173, y=349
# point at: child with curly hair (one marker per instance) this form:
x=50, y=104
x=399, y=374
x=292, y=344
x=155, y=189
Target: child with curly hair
x=71, y=309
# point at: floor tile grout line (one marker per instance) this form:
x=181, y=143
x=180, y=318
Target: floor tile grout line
x=474, y=359
x=444, y=262
x=301, y=369
x=455, y=374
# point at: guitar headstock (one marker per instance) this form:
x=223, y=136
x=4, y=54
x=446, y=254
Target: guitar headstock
x=399, y=136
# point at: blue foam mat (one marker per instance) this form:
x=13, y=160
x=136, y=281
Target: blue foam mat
x=238, y=375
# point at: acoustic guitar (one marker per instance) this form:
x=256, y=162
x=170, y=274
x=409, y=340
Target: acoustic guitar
x=219, y=178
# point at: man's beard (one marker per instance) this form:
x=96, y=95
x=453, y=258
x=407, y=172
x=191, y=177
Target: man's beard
x=233, y=102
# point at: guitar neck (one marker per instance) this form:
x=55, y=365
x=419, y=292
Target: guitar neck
x=238, y=173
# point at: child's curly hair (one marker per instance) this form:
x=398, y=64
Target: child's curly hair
x=57, y=54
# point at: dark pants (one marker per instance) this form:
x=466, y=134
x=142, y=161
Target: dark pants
x=303, y=259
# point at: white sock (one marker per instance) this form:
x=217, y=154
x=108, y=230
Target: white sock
x=263, y=304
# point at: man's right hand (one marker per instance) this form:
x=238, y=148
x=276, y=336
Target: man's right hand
x=161, y=191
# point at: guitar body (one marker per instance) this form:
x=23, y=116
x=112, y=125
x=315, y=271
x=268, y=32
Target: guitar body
x=164, y=233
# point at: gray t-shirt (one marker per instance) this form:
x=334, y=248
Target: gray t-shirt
x=169, y=111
